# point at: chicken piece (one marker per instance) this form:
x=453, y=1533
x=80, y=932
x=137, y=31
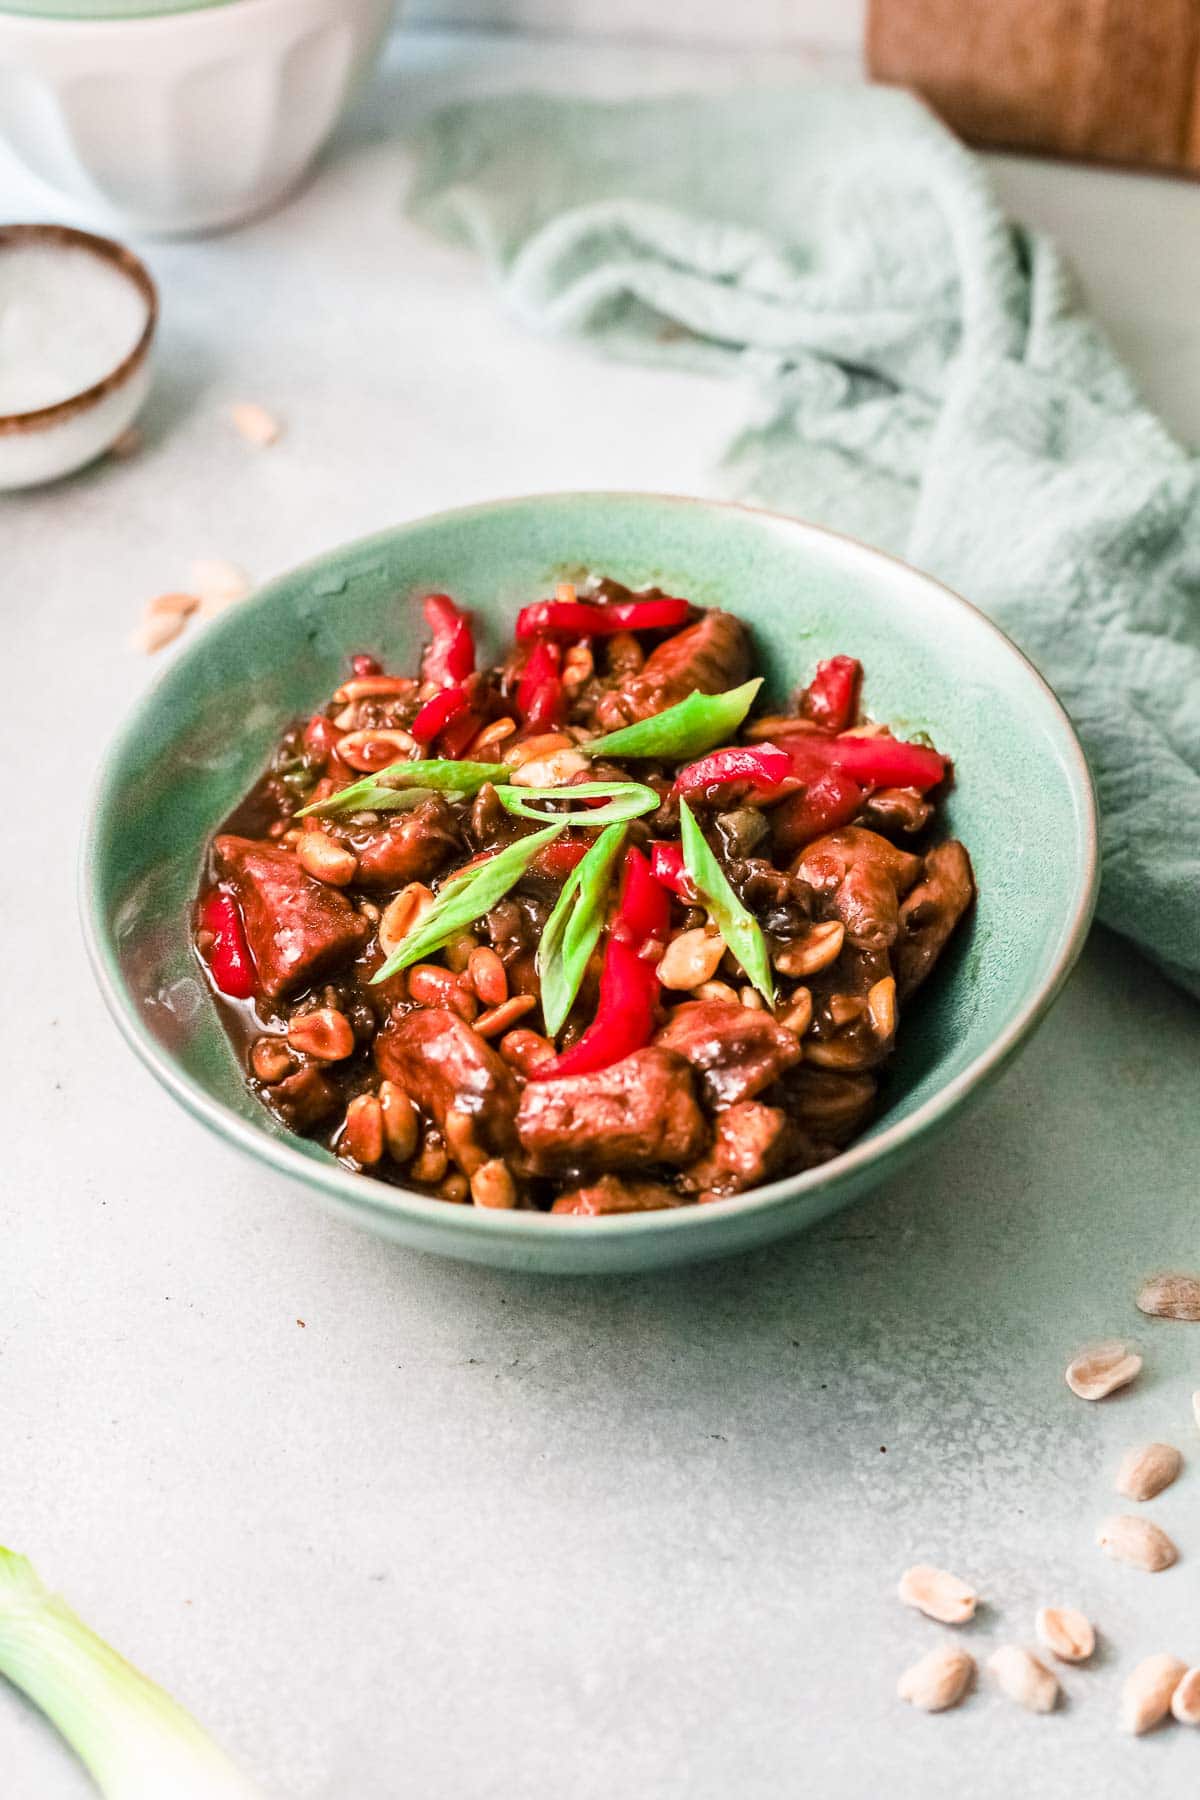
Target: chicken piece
x=411, y=846
x=931, y=912
x=751, y=1142
x=736, y=1051
x=640, y=1111
x=297, y=929
x=704, y=658
x=305, y=1098
x=613, y=1195
x=444, y=1066
x=866, y=877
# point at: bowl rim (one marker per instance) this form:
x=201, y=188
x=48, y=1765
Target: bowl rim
x=107, y=250
x=196, y=17
x=529, y=1228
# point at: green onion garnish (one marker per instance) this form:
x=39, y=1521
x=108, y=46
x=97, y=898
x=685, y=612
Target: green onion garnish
x=688, y=729
x=738, y=927
x=132, y=1737
x=465, y=898
x=627, y=800
x=572, y=929
x=392, y=788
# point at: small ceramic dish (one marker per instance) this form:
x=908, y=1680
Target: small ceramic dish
x=186, y=120
x=1022, y=801
x=46, y=441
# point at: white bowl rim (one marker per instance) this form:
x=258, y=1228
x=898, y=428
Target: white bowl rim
x=527, y=1228
x=117, y=256
x=190, y=18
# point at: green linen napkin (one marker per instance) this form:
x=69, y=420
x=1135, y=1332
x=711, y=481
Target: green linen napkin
x=926, y=380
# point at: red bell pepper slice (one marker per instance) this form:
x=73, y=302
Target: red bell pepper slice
x=450, y=657
x=541, y=700
x=827, y=803
x=644, y=911
x=580, y=618
x=831, y=698
x=624, y=1019
x=667, y=868
x=871, y=761
x=557, y=859
x=629, y=987
x=437, y=713
x=763, y=766
x=229, y=961
x=321, y=737
x=458, y=733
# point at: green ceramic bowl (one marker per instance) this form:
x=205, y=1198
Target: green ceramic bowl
x=1022, y=803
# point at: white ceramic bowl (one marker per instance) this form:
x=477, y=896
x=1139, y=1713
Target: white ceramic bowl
x=54, y=440
x=186, y=121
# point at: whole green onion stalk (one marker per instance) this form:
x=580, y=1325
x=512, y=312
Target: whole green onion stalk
x=136, y=1742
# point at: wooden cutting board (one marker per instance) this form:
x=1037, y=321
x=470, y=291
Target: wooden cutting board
x=1104, y=80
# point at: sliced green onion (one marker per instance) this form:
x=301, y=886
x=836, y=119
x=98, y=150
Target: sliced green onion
x=131, y=1736
x=688, y=729
x=627, y=800
x=392, y=788
x=739, y=928
x=573, y=927
x=465, y=898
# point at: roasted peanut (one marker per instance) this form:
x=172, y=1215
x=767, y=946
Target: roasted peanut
x=1170, y=1296
x=402, y=914
x=1147, y=1470
x=1148, y=1692
x=374, y=749
x=325, y=1034
x=1138, y=1542
x=462, y=1142
x=454, y=1188
x=836, y=1053
x=752, y=1000
x=938, y=1594
x=578, y=667
x=881, y=1005
x=255, y=423
x=524, y=1050
x=492, y=1185
x=1066, y=1632
x=401, y=1121
x=326, y=860
x=458, y=951
x=487, y=975
x=271, y=1059
x=797, y=1012
x=691, y=959
x=430, y=985
x=717, y=990
x=1101, y=1369
x=553, y=771
x=775, y=725
x=820, y=946
x=498, y=732
x=500, y=1019
x=1185, y=1701
x=374, y=687
x=362, y=1134
x=532, y=749
x=431, y=1161
x=1024, y=1678
x=843, y=1009
x=939, y=1680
